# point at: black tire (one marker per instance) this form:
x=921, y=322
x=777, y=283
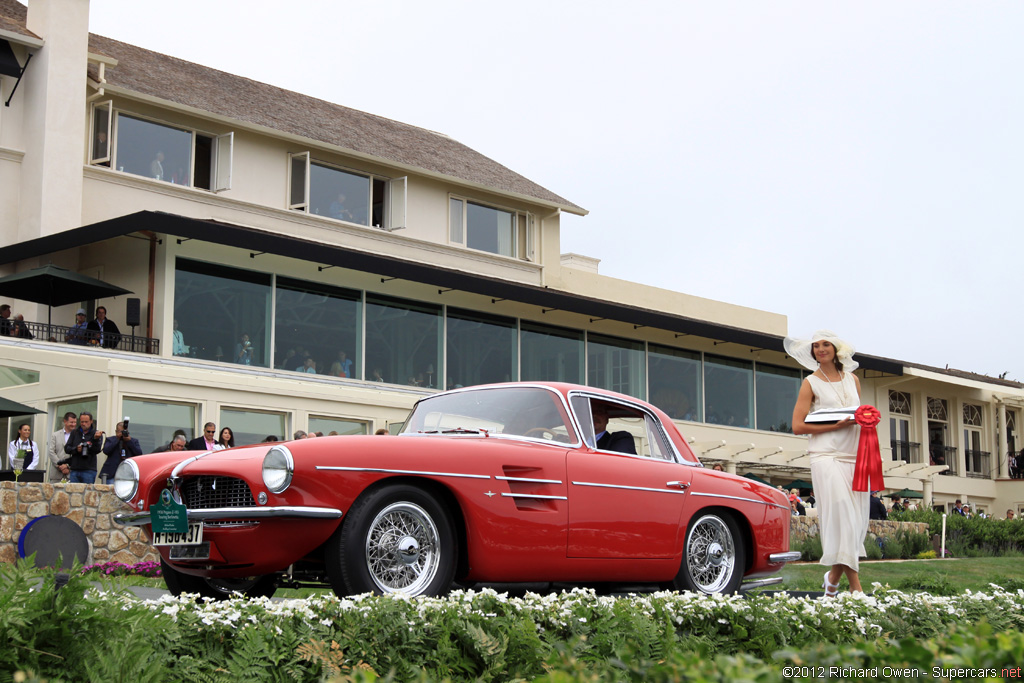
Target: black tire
x=396, y=539
x=714, y=556
x=218, y=589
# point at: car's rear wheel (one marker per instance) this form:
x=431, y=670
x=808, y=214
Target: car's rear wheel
x=713, y=555
x=219, y=589
x=397, y=539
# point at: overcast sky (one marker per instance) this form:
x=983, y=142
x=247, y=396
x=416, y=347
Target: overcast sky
x=851, y=165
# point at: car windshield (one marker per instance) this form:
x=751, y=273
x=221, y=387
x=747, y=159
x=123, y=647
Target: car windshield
x=517, y=411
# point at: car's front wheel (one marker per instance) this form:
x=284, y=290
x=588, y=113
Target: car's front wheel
x=713, y=556
x=219, y=589
x=397, y=539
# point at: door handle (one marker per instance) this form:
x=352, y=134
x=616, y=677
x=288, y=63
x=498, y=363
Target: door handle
x=681, y=484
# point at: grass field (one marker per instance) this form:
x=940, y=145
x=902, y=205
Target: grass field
x=932, y=576
x=940, y=577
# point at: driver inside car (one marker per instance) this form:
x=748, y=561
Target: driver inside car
x=620, y=442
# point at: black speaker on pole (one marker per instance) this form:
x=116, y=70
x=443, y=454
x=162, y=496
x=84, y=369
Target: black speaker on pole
x=131, y=313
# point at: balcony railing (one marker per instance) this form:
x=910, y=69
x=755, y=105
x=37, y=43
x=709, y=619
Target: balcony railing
x=62, y=334
x=947, y=455
x=979, y=464
x=907, y=451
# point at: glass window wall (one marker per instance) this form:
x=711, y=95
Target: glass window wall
x=675, y=383
x=317, y=329
x=223, y=313
x=489, y=229
x=403, y=341
x=728, y=391
x=481, y=349
x=251, y=426
x=616, y=365
x=336, y=425
x=777, y=389
x=552, y=354
x=153, y=423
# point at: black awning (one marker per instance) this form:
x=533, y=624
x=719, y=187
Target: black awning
x=260, y=241
x=9, y=65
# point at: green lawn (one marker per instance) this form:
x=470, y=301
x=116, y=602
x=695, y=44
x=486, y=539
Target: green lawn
x=933, y=576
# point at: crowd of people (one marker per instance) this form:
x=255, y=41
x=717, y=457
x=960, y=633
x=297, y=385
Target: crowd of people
x=100, y=331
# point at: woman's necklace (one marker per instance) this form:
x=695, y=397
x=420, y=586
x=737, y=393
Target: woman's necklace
x=844, y=399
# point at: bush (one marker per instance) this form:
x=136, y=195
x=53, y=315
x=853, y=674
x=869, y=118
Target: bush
x=927, y=555
x=873, y=548
x=971, y=536
x=810, y=549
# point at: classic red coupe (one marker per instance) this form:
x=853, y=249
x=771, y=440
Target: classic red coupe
x=508, y=483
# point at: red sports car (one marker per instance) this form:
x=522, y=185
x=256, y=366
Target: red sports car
x=524, y=482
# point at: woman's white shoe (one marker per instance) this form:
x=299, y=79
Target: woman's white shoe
x=831, y=589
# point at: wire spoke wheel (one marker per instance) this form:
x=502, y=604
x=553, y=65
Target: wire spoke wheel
x=711, y=555
x=402, y=549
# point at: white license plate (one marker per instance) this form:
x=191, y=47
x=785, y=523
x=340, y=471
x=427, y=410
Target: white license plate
x=194, y=536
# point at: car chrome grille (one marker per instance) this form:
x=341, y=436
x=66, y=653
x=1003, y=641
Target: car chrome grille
x=210, y=491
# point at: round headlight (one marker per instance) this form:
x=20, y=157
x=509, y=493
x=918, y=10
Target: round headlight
x=277, y=469
x=126, y=480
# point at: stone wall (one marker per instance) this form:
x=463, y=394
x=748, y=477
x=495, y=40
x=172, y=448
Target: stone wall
x=801, y=528
x=92, y=507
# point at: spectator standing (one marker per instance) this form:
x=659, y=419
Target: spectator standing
x=118, y=448
x=958, y=508
x=206, y=442
x=226, y=439
x=20, y=329
x=23, y=452
x=877, y=507
x=106, y=330
x=1010, y=514
x=78, y=333
x=178, y=345
x=84, y=444
x=55, y=446
x=5, y=320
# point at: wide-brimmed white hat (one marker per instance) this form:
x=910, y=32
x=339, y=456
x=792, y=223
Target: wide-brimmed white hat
x=800, y=350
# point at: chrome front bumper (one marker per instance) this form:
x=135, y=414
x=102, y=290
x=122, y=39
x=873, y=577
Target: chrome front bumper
x=229, y=514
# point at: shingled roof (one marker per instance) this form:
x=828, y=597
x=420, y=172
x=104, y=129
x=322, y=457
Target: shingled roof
x=200, y=87
x=234, y=97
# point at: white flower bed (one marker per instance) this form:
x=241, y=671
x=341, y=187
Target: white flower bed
x=855, y=615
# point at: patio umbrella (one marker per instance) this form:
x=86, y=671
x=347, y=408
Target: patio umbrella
x=798, y=484
x=55, y=286
x=9, y=408
x=905, y=493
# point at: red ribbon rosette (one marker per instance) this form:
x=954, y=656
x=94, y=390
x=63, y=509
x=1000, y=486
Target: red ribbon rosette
x=867, y=473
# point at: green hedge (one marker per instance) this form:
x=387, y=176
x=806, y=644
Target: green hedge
x=971, y=536
x=80, y=634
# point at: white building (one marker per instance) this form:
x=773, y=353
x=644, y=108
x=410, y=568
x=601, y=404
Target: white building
x=238, y=208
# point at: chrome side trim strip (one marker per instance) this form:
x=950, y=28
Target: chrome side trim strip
x=747, y=500
x=527, y=479
x=760, y=583
x=216, y=514
x=630, y=488
x=790, y=556
x=532, y=495
x=390, y=471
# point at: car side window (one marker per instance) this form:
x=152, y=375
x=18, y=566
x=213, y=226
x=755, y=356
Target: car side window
x=658, y=447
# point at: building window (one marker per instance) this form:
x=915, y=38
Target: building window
x=728, y=391
x=550, y=354
x=777, y=389
x=162, y=152
x=251, y=426
x=403, y=341
x=75, y=406
x=102, y=123
x=337, y=426
x=325, y=190
x=939, y=450
x=675, y=381
x=481, y=349
x=616, y=365
x=975, y=459
x=223, y=313
x=15, y=377
x=938, y=409
x=490, y=229
x=899, y=402
x=316, y=329
x=154, y=423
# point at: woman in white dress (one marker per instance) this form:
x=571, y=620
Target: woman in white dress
x=842, y=512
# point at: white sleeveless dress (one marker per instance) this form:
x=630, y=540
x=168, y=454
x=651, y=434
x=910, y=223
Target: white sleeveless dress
x=842, y=512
